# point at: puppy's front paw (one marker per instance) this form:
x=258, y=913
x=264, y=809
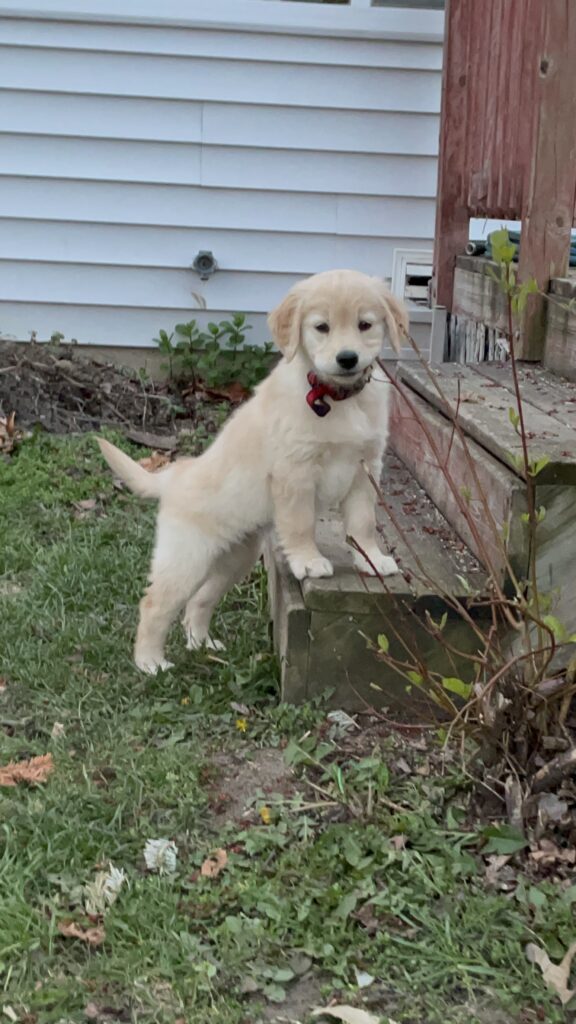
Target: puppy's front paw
x=151, y=666
x=377, y=563
x=314, y=568
x=195, y=643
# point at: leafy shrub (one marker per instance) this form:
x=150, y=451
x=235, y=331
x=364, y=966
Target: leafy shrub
x=215, y=357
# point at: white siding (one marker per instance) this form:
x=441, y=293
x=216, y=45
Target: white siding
x=287, y=138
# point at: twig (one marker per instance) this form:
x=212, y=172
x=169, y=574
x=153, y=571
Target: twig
x=552, y=773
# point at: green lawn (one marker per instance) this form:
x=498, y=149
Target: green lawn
x=320, y=882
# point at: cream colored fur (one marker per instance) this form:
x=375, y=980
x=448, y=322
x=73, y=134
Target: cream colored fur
x=275, y=463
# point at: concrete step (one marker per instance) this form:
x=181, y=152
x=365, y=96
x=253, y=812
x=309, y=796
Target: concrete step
x=323, y=628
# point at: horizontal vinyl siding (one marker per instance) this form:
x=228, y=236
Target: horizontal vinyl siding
x=197, y=207
x=222, y=45
x=126, y=148
x=220, y=124
x=175, y=248
x=184, y=78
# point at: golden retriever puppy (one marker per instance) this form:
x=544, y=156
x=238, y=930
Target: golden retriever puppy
x=295, y=447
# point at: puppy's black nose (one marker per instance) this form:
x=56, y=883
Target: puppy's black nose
x=346, y=359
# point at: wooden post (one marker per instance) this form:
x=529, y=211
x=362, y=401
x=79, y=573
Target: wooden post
x=551, y=189
x=451, y=234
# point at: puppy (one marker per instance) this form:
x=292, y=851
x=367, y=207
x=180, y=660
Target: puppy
x=296, y=446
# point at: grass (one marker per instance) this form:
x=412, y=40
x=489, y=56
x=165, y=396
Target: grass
x=331, y=884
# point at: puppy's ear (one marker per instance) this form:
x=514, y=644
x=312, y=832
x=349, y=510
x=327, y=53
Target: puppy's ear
x=395, y=314
x=285, y=322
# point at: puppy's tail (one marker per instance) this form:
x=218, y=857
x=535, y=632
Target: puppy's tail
x=138, y=479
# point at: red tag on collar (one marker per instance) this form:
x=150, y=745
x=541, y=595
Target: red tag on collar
x=318, y=391
x=315, y=396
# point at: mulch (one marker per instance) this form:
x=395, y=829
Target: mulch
x=57, y=389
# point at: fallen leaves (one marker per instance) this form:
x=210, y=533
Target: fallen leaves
x=72, y=930
x=548, y=854
x=214, y=864
x=103, y=891
x=348, y=1014
x=235, y=393
x=9, y=434
x=556, y=976
x=155, y=461
x=33, y=771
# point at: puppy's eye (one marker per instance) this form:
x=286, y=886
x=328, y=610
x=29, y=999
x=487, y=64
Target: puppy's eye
x=323, y=328
x=364, y=325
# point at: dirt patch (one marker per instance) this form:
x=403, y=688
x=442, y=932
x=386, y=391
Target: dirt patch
x=301, y=997
x=238, y=777
x=56, y=388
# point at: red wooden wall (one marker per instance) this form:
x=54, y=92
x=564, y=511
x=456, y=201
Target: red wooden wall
x=508, y=135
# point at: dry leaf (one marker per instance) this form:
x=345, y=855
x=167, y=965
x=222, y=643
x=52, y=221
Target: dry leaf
x=556, y=976
x=551, y=808
x=103, y=891
x=72, y=930
x=349, y=1014
x=154, y=461
x=160, y=855
x=9, y=435
x=33, y=771
x=214, y=864
x=3, y=686
x=233, y=393
x=495, y=863
x=549, y=854
x=398, y=842
x=58, y=731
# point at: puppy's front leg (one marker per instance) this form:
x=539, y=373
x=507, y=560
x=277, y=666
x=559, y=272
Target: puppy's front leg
x=293, y=498
x=359, y=508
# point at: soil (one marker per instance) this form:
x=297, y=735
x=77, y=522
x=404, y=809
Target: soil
x=239, y=777
x=59, y=390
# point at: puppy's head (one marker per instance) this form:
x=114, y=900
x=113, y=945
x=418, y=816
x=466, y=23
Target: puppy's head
x=341, y=319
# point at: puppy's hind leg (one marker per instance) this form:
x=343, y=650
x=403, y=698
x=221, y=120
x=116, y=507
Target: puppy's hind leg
x=183, y=558
x=230, y=567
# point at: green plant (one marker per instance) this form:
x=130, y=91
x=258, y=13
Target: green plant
x=215, y=357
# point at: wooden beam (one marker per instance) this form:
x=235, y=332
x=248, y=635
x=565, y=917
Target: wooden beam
x=549, y=204
x=451, y=234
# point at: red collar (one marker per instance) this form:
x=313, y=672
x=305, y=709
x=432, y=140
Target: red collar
x=319, y=389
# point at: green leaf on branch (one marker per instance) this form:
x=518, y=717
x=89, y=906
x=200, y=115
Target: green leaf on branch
x=557, y=628
x=457, y=686
x=514, y=417
x=538, y=465
x=502, y=249
x=383, y=642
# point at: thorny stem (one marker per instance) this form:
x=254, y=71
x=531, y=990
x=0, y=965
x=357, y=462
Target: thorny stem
x=530, y=486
